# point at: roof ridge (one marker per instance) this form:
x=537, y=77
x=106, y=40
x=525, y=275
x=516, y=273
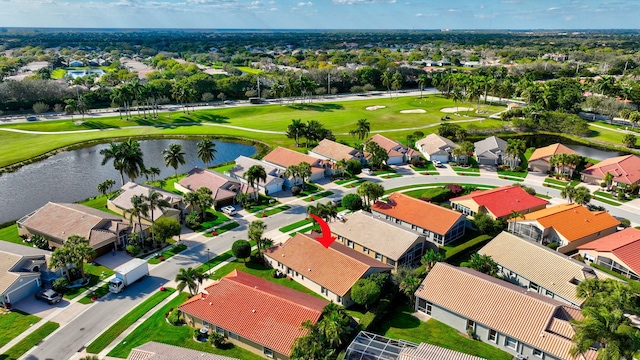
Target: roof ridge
x=72, y=208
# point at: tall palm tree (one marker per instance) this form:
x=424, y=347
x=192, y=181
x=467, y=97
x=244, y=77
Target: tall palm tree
x=292, y=172
x=155, y=200
x=295, y=130
x=608, y=179
x=255, y=174
x=207, y=151
x=363, y=127
x=387, y=79
x=151, y=172
x=190, y=278
x=114, y=152
x=422, y=81
x=132, y=159
x=340, y=166
x=430, y=258
x=60, y=258
x=174, y=157
x=569, y=192
x=139, y=208
x=612, y=330
x=255, y=232
x=105, y=186
x=515, y=215
x=334, y=325
x=81, y=252
x=304, y=172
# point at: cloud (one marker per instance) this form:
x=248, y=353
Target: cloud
x=419, y=15
x=309, y=3
x=359, y=2
x=553, y=8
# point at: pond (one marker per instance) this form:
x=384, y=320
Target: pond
x=80, y=73
x=593, y=153
x=74, y=175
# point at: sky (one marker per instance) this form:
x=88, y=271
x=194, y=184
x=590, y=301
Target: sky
x=323, y=14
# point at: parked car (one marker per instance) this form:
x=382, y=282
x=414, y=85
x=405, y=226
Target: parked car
x=49, y=295
x=438, y=163
x=32, y=118
x=229, y=210
x=367, y=171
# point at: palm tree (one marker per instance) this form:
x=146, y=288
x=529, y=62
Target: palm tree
x=387, y=79
x=60, y=259
x=255, y=174
x=422, y=81
x=612, y=330
x=207, y=151
x=484, y=264
x=190, y=278
x=334, y=325
x=430, y=258
x=340, y=166
x=105, y=186
x=191, y=198
x=295, y=130
x=114, y=152
x=151, y=172
x=132, y=159
x=255, y=232
x=363, y=127
x=81, y=252
x=608, y=179
x=515, y=215
x=174, y=157
x=139, y=208
x=292, y=172
x=582, y=195
x=568, y=193
x=155, y=200
x=304, y=172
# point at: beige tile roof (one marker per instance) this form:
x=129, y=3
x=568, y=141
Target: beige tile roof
x=335, y=151
x=541, y=265
x=378, y=235
x=336, y=268
x=501, y=306
x=157, y=351
x=285, y=157
x=222, y=186
x=432, y=352
x=434, y=143
x=123, y=201
x=393, y=147
x=547, y=151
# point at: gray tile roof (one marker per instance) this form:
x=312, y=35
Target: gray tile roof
x=491, y=147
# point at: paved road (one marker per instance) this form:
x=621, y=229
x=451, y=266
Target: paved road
x=69, y=339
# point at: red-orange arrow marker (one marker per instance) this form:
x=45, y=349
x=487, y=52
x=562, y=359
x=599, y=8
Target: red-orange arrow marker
x=326, y=239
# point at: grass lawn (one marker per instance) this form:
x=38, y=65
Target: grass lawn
x=98, y=293
x=168, y=253
x=319, y=196
x=30, y=341
x=430, y=173
x=168, y=183
x=10, y=234
x=400, y=324
x=277, y=210
x=465, y=246
x=13, y=324
x=518, y=174
x=556, y=182
x=99, y=203
x=472, y=166
x=610, y=196
x=355, y=184
x=223, y=229
x=224, y=168
x=427, y=167
x=606, y=201
x=249, y=70
x=214, y=218
x=390, y=176
x=126, y=321
x=468, y=174
x=306, y=229
x=426, y=193
x=547, y=197
x=389, y=191
x=263, y=203
x=295, y=225
x=309, y=189
x=95, y=273
x=156, y=328
x=344, y=181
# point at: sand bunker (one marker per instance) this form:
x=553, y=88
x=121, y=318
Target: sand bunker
x=372, y=108
x=452, y=110
x=413, y=111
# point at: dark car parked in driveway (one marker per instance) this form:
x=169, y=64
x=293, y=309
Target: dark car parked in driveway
x=49, y=295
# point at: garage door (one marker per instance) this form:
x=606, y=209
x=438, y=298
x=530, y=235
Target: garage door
x=20, y=290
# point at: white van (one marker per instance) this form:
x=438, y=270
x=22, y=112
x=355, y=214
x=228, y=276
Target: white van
x=367, y=171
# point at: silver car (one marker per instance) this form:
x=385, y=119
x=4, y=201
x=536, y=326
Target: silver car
x=49, y=295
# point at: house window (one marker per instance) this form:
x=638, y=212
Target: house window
x=324, y=291
x=428, y=308
x=511, y=343
x=268, y=352
x=391, y=262
x=339, y=299
x=233, y=335
x=549, y=293
x=365, y=250
x=533, y=286
x=538, y=353
x=205, y=324
x=350, y=243
x=413, y=227
x=340, y=238
x=398, y=221
x=471, y=325
x=219, y=330
x=424, y=306
x=493, y=335
x=378, y=256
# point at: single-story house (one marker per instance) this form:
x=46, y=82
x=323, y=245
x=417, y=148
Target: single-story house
x=158, y=351
x=490, y=151
x=253, y=313
x=334, y=151
x=398, y=153
x=57, y=221
x=436, y=148
x=19, y=276
x=283, y=158
x=570, y=225
x=439, y=225
x=539, y=160
x=618, y=252
x=498, y=203
x=426, y=351
x=275, y=175
x=76, y=63
x=625, y=170
x=122, y=203
x=540, y=269
x=330, y=272
x=519, y=322
x=379, y=239
x=224, y=189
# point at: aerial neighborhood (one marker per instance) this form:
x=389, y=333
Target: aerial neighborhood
x=237, y=200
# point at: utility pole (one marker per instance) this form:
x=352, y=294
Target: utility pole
x=329, y=84
x=258, y=87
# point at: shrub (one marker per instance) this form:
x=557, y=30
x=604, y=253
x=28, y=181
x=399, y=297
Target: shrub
x=553, y=245
x=60, y=284
x=296, y=190
x=39, y=241
x=217, y=339
x=40, y=107
x=352, y=202
x=625, y=223
x=192, y=221
x=455, y=189
x=241, y=249
x=174, y=317
x=365, y=292
x=354, y=167
x=133, y=249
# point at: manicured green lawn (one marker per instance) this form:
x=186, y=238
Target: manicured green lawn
x=430, y=173
x=306, y=229
x=224, y=168
x=519, y=174
x=168, y=253
x=427, y=167
x=263, y=203
x=319, y=196
x=223, y=229
x=249, y=70
x=611, y=196
x=214, y=218
x=426, y=193
x=98, y=293
x=95, y=274
x=389, y=191
x=556, y=181
x=309, y=189
x=390, y=176
x=277, y=210
x=126, y=321
x=547, y=197
x=400, y=324
x=470, y=242
x=344, y=181
x=30, y=341
x=295, y=225
x=13, y=324
x=10, y=234
x=99, y=203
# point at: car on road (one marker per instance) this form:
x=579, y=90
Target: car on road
x=49, y=295
x=32, y=118
x=229, y=210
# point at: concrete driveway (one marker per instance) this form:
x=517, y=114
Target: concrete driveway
x=39, y=308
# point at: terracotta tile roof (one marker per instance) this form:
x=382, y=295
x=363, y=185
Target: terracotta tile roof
x=434, y=143
x=257, y=309
x=547, y=151
x=222, y=186
x=432, y=352
x=158, y=351
x=285, y=157
x=123, y=201
x=501, y=201
x=393, y=147
x=378, y=235
x=417, y=212
x=541, y=265
x=573, y=221
x=504, y=307
x=335, y=151
x=623, y=244
x=625, y=169
x=336, y=268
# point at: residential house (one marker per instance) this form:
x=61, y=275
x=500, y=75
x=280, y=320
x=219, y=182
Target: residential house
x=438, y=224
x=498, y=203
x=426, y=351
x=618, y=252
x=539, y=160
x=57, y=221
x=20, y=274
x=122, y=205
x=275, y=175
x=334, y=152
x=569, y=225
x=519, y=322
x=283, y=158
x=158, y=351
x=253, y=313
x=224, y=188
x=379, y=239
x=398, y=153
x=625, y=171
x=330, y=272
x=540, y=269
x=436, y=148
x=490, y=151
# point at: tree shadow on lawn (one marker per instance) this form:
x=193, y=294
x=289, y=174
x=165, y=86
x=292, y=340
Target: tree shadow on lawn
x=317, y=107
x=400, y=317
x=98, y=125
